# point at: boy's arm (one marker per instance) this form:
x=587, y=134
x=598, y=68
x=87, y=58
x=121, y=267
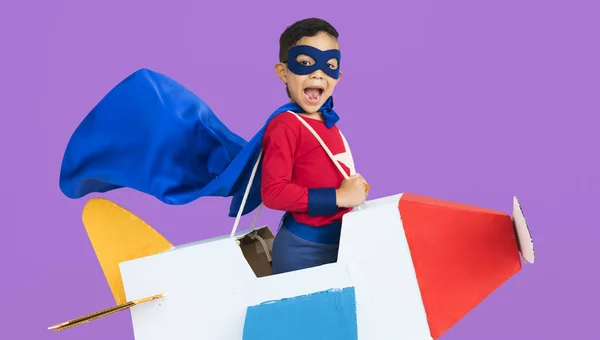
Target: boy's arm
x=278, y=192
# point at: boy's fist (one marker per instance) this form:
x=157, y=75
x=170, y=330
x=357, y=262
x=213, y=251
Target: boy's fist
x=352, y=192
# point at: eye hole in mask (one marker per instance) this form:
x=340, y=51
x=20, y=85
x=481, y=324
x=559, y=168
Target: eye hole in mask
x=303, y=59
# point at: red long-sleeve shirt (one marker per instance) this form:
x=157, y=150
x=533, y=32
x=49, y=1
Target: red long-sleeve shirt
x=297, y=174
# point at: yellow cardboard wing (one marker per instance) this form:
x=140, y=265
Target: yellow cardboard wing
x=117, y=235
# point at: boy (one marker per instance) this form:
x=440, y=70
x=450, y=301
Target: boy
x=152, y=134
x=298, y=176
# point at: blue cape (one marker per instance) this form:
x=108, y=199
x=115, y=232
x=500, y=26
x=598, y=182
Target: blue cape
x=151, y=134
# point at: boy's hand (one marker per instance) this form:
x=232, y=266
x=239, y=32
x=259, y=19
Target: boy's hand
x=352, y=192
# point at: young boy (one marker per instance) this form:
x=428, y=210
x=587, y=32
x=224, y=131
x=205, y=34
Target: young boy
x=298, y=176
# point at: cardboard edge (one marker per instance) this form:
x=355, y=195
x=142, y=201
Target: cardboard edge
x=522, y=232
x=103, y=313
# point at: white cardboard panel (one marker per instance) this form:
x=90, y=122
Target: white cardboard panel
x=209, y=284
x=387, y=292
x=208, y=287
x=301, y=282
x=204, y=291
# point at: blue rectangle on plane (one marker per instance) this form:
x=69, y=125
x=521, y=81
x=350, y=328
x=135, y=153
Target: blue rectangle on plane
x=326, y=315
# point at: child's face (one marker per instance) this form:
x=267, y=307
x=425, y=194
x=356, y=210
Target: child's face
x=311, y=90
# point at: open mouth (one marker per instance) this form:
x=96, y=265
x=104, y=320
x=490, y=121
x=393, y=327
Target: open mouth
x=313, y=94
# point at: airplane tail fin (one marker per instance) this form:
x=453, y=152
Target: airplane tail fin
x=117, y=235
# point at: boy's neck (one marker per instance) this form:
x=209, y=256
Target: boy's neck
x=314, y=115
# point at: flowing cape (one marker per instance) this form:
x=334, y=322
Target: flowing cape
x=151, y=134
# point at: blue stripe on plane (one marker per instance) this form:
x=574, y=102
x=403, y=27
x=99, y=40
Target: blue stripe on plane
x=326, y=315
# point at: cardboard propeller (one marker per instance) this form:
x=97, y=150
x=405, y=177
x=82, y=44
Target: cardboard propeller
x=523, y=234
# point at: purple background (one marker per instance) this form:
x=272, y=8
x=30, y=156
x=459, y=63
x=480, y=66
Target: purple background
x=458, y=100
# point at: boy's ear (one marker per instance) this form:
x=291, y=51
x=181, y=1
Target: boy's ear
x=280, y=69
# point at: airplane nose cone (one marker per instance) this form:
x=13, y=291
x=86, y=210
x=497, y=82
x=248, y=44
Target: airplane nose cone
x=461, y=254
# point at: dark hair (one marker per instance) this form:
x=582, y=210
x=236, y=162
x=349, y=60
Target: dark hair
x=300, y=29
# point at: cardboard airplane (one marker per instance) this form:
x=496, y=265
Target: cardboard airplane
x=409, y=266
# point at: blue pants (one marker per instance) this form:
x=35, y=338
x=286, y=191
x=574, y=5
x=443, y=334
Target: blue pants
x=297, y=246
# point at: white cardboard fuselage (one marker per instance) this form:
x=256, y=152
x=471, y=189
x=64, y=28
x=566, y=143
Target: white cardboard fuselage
x=209, y=284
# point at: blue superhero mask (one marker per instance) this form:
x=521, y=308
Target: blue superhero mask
x=320, y=57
